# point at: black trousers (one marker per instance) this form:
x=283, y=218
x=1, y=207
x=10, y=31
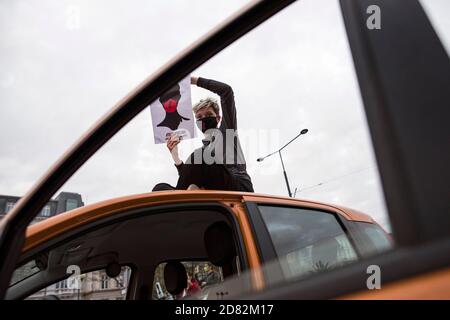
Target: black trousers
x=210, y=177
x=213, y=177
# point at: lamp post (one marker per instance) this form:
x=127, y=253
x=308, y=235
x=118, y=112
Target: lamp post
x=304, y=131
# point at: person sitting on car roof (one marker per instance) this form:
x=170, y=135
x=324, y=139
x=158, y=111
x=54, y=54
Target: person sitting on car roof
x=219, y=164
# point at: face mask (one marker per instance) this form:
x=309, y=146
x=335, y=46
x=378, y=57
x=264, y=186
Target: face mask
x=207, y=123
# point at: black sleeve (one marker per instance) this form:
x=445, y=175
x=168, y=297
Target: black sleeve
x=226, y=94
x=185, y=165
x=180, y=168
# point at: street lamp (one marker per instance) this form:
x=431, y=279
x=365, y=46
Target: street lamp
x=304, y=131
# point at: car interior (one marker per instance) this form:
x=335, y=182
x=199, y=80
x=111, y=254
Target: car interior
x=136, y=242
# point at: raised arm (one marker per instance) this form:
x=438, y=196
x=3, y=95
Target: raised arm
x=226, y=94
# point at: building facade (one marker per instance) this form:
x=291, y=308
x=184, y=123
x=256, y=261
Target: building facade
x=95, y=285
x=65, y=201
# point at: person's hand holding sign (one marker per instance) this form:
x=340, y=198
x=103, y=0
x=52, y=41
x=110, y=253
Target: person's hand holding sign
x=172, y=145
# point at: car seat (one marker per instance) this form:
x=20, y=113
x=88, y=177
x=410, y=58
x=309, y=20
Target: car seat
x=175, y=277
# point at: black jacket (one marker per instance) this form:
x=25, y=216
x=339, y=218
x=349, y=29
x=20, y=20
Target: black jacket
x=234, y=163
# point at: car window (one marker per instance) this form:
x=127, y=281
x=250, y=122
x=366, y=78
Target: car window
x=200, y=276
x=307, y=241
x=302, y=78
x=305, y=78
x=94, y=285
x=379, y=241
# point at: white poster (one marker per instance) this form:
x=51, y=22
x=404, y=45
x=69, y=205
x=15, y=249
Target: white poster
x=172, y=113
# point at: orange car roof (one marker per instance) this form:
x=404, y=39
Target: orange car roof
x=53, y=226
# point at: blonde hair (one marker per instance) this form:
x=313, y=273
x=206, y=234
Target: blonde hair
x=207, y=103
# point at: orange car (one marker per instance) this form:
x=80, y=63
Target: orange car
x=230, y=232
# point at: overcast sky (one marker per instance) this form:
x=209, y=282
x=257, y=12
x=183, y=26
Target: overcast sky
x=65, y=63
